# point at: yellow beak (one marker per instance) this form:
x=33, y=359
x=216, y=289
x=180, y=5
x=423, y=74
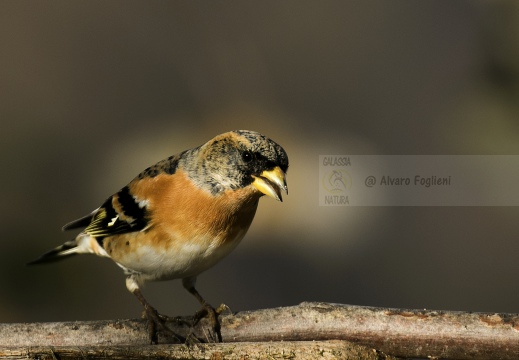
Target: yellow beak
x=271, y=183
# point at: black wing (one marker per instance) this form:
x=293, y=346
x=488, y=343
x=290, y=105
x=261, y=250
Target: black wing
x=120, y=213
x=81, y=222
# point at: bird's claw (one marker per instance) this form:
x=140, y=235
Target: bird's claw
x=223, y=309
x=157, y=324
x=212, y=314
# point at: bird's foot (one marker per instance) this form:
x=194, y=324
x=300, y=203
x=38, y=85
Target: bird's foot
x=223, y=309
x=157, y=324
x=215, y=334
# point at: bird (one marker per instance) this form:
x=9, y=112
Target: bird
x=181, y=216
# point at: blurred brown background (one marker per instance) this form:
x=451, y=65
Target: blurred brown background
x=92, y=92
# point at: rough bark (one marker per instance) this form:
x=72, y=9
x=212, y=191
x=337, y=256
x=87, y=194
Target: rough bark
x=303, y=350
x=403, y=333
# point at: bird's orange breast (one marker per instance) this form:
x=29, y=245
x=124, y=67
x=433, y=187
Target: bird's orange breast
x=185, y=222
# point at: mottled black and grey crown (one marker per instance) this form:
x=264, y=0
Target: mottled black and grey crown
x=262, y=146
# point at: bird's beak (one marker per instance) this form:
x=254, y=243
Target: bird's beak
x=271, y=182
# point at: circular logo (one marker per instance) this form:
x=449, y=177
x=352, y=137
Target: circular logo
x=336, y=181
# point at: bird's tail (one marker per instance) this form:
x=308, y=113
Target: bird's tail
x=61, y=252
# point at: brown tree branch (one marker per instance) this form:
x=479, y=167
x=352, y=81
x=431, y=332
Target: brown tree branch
x=302, y=350
x=404, y=333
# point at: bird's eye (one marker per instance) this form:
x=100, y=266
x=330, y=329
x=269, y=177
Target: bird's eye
x=247, y=156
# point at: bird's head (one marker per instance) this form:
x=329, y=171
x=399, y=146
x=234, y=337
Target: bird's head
x=242, y=158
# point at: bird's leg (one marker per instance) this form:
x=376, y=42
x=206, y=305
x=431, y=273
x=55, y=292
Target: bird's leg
x=155, y=320
x=207, y=309
x=152, y=315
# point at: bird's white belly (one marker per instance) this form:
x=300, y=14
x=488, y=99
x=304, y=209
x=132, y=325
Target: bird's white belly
x=179, y=261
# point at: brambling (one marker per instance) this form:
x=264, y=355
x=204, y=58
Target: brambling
x=182, y=215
